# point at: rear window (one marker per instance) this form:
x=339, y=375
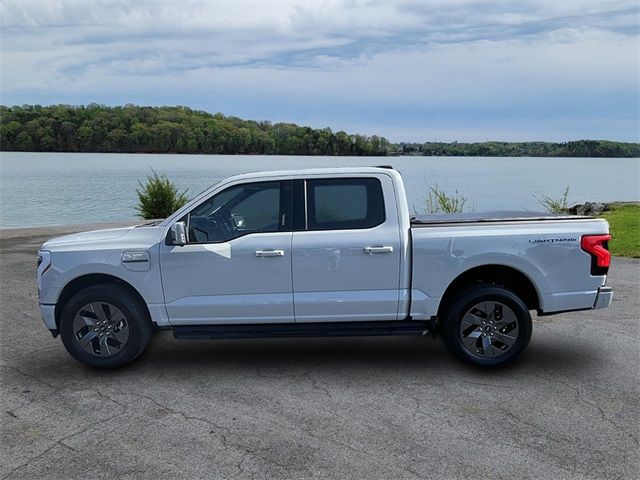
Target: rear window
x=344, y=203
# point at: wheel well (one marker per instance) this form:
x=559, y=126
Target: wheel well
x=508, y=277
x=85, y=281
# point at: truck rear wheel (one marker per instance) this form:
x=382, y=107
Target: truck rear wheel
x=486, y=325
x=105, y=326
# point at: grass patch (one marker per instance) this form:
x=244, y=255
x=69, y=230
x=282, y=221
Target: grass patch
x=624, y=220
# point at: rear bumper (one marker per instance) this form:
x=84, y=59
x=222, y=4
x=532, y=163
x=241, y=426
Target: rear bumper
x=604, y=297
x=576, y=301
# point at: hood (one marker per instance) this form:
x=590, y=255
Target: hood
x=93, y=236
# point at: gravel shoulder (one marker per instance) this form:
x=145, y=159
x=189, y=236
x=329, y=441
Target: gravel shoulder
x=319, y=408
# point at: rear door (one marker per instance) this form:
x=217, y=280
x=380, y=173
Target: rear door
x=346, y=250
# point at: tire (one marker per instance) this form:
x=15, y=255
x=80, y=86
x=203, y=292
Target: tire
x=486, y=325
x=105, y=326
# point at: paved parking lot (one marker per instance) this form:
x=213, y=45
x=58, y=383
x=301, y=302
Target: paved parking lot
x=320, y=408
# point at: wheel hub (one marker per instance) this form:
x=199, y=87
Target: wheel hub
x=489, y=329
x=101, y=329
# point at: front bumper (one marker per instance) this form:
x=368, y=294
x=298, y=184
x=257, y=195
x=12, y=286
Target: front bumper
x=48, y=313
x=604, y=297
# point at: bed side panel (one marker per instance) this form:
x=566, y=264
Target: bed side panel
x=548, y=253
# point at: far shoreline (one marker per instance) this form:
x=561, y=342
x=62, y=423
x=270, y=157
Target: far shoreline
x=413, y=155
x=7, y=233
x=182, y=130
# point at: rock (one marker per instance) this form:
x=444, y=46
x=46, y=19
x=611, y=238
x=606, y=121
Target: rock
x=597, y=208
x=588, y=208
x=583, y=209
x=573, y=209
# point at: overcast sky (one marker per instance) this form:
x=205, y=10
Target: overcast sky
x=408, y=70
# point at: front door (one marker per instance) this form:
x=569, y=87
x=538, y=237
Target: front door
x=236, y=266
x=346, y=253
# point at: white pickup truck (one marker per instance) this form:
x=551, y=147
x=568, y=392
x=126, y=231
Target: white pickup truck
x=324, y=252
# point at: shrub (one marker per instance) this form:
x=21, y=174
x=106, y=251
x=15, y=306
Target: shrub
x=554, y=205
x=439, y=201
x=159, y=197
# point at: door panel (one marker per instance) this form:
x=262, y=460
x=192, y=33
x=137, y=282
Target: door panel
x=349, y=274
x=237, y=266
x=335, y=280
x=227, y=282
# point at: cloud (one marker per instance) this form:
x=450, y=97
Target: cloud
x=376, y=65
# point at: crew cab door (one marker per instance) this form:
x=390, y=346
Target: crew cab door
x=346, y=250
x=236, y=266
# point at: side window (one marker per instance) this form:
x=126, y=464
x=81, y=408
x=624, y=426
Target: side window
x=344, y=203
x=240, y=210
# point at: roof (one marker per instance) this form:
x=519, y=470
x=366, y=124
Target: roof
x=309, y=171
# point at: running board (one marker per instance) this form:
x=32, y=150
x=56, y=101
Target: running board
x=280, y=330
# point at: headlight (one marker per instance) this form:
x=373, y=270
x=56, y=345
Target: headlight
x=44, y=261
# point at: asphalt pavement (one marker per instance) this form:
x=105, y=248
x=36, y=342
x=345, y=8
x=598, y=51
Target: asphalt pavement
x=396, y=407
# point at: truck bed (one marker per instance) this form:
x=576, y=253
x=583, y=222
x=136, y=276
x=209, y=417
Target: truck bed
x=489, y=217
x=544, y=247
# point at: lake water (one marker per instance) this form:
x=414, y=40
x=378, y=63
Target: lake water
x=42, y=189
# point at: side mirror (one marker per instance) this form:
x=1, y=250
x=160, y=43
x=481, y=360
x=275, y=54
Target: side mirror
x=178, y=234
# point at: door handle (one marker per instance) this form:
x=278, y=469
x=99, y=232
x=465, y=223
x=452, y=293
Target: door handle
x=269, y=253
x=378, y=249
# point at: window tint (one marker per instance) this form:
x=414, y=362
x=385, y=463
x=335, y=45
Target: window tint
x=344, y=203
x=237, y=211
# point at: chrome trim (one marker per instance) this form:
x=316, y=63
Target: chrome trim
x=269, y=253
x=135, y=257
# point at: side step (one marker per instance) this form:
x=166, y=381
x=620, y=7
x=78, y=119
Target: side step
x=280, y=330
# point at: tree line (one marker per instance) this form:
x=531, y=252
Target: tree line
x=577, y=148
x=136, y=129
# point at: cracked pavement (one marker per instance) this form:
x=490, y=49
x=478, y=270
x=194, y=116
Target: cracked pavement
x=396, y=407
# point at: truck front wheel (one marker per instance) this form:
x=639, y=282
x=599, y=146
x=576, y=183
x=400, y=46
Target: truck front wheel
x=486, y=325
x=105, y=326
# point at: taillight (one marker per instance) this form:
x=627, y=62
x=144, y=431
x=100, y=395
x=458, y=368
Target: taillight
x=598, y=247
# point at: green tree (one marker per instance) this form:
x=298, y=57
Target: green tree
x=131, y=128
x=24, y=142
x=158, y=197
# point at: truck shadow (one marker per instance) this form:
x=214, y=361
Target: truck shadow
x=381, y=354
x=340, y=361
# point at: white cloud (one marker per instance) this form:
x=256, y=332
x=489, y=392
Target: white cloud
x=476, y=59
